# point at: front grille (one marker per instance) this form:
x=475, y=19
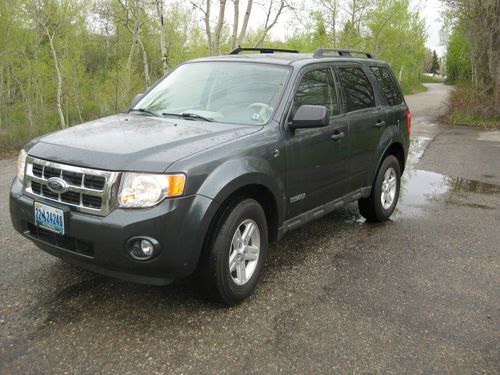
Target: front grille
x=65, y=242
x=93, y=182
x=88, y=190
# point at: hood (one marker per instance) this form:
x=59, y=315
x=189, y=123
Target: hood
x=129, y=142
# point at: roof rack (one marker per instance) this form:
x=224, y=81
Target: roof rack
x=324, y=52
x=261, y=50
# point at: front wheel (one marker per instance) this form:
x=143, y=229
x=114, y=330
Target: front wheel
x=382, y=201
x=234, y=253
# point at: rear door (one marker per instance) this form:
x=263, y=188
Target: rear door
x=317, y=159
x=395, y=106
x=366, y=118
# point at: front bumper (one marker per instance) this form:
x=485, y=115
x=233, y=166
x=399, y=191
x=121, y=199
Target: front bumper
x=99, y=243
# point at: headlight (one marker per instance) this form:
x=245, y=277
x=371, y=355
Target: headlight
x=146, y=190
x=21, y=165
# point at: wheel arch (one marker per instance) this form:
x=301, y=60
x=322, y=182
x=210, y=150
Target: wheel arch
x=261, y=194
x=398, y=151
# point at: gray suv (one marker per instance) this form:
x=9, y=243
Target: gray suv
x=219, y=158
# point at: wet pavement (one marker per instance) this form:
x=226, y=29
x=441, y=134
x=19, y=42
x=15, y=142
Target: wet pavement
x=418, y=294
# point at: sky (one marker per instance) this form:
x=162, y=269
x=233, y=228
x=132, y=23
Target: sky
x=429, y=9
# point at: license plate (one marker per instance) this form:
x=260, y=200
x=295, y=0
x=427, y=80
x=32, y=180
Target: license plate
x=49, y=218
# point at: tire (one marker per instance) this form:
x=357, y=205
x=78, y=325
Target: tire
x=378, y=207
x=231, y=285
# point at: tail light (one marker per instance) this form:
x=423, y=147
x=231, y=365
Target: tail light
x=408, y=122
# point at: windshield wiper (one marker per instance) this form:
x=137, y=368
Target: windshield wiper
x=145, y=111
x=189, y=116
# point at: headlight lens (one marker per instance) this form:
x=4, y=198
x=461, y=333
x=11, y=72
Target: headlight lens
x=21, y=164
x=146, y=190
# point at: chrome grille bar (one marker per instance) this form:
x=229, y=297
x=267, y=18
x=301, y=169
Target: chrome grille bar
x=91, y=200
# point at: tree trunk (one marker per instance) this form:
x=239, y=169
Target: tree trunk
x=1, y=96
x=236, y=18
x=495, y=56
x=244, y=26
x=218, y=28
x=59, y=78
x=334, y=31
x=145, y=64
x=163, y=49
x=496, y=72
x=207, y=27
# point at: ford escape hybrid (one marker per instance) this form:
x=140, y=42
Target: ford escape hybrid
x=219, y=158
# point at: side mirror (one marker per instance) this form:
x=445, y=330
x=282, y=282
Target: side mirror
x=310, y=116
x=136, y=100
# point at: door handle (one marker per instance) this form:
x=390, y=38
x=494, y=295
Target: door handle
x=337, y=136
x=379, y=124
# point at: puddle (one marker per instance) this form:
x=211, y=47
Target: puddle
x=417, y=149
x=420, y=188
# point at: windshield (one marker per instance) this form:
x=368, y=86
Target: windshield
x=232, y=92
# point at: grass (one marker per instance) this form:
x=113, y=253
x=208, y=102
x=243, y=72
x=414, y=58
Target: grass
x=470, y=106
x=431, y=79
x=413, y=88
x=471, y=120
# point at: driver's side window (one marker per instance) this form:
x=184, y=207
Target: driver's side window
x=317, y=88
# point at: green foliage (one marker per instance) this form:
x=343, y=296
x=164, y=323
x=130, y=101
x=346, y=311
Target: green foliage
x=350, y=37
x=397, y=35
x=435, y=62
x=458, y=59
x=101, y=48
x=431, y=79
x=101, y=67
x=468, y=105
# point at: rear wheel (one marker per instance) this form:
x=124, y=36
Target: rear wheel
x=382, y=201
x=234, y=253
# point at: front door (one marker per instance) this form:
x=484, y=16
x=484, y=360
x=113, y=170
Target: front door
x=317, y=159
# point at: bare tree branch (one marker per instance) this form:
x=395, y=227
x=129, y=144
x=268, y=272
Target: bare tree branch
x=268, y=26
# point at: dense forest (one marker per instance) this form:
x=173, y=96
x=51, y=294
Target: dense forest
x=63, y=62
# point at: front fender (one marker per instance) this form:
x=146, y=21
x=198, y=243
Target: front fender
x=235, y=174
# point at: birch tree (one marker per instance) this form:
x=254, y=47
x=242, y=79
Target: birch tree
x=331, y=8
x=49, y=19
x=134, y=23
x=214, y=35
x=480, y=21
x=236, y=19
x=244, y=26
x=271, y=19
x=163, y=49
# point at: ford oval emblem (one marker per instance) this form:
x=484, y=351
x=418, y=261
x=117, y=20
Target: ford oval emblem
x=57, y=185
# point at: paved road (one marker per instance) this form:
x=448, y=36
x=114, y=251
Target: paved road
x=419, y=294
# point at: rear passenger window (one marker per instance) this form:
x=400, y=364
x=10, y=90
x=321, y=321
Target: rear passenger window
x=386, y=81
x=357, y=88
x=317, y=88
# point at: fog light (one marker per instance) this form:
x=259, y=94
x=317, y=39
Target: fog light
x=147, y=248
x=143, y=248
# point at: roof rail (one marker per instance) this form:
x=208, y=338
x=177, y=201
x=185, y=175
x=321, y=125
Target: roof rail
x=323, y=52
x=261, y=50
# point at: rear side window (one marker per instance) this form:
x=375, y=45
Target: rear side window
x=357, y=88
x=386, y=81
x=317, y=88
